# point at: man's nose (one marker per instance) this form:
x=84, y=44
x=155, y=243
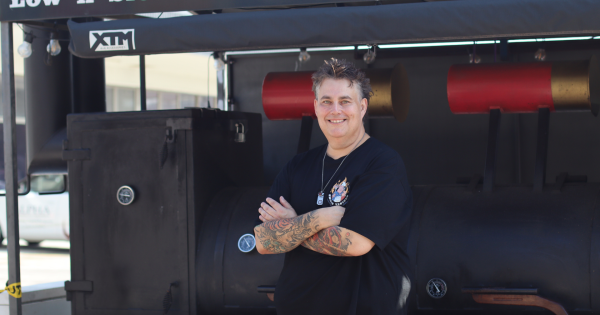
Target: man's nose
x=337, y=107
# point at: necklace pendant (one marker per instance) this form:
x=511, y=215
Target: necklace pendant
x=320, y=198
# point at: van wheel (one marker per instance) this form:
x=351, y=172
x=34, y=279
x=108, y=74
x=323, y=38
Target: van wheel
x=33, y=244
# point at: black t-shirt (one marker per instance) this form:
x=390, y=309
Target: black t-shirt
x=372, y=185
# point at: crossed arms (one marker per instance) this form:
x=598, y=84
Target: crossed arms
x=282, y=230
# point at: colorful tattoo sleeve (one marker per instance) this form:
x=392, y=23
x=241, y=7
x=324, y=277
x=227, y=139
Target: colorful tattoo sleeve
x=331, y=241
x=281, y=236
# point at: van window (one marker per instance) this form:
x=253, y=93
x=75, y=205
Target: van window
x=46, y=184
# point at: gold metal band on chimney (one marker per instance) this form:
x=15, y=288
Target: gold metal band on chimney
x=575, y=85
x=391, y=92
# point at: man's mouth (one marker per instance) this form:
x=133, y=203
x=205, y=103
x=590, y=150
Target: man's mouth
x=336, y=121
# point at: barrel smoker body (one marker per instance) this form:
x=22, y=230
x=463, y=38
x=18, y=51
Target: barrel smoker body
x=227, y=278
x=512, y=238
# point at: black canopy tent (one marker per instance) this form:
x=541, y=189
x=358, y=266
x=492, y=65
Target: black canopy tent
x=20, y=10
x=337, y=26
x=303, y=27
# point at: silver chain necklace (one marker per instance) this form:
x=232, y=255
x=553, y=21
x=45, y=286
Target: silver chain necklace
x=320, y=194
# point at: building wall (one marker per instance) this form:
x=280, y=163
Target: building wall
x=172, y=81
x=120, y=99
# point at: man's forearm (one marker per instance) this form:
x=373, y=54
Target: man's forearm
x=281, y=236
x=339, y=241
x=333, y=241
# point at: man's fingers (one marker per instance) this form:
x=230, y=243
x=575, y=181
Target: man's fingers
x=266, y=206
x=261, y=218
x=268, y=212
x=276, y=206
x=266, y=216
x=285, y=203
x=277, y=210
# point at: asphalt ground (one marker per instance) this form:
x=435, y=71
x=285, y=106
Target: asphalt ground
x=47, y=262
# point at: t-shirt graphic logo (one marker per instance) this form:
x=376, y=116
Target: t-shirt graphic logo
x=339, y=193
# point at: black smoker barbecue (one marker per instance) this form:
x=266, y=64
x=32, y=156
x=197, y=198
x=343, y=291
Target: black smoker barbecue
x=161, y=202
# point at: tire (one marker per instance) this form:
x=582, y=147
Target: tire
x=33, y=244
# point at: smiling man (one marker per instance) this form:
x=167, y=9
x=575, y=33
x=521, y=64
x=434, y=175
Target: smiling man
x=340, y=211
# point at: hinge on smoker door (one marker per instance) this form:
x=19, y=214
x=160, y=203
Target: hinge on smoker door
x=173, y=124
x=78, y=286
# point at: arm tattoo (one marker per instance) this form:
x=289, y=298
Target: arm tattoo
x=281, y=236
x=331, y=241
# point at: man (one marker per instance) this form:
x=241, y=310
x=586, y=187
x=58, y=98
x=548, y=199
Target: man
x=343, y=255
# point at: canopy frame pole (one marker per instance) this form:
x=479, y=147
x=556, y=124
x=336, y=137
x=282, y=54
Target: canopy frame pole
x=489, y=176
x=541, y=158
x=221, y=104
x=10, y=162
x=143, y=82
x=229, y=84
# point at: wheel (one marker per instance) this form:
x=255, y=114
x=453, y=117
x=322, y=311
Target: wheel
x=33, y=244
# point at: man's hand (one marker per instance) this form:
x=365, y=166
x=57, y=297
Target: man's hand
x=332, y=215
x=273, y=210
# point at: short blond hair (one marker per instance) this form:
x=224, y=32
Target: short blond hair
x=342, y=69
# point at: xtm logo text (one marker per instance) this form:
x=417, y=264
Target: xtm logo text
x=112, y=40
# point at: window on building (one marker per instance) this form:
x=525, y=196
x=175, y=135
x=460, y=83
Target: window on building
x=151, y=100
x=187, y=100
x=126, y=100
x=168, y=100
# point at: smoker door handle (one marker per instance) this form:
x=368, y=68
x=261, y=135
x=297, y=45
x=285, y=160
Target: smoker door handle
x=500, y=290
x=514, y=296
x=520, y=299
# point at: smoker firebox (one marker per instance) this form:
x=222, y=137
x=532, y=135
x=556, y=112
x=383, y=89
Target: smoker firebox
x=124, y=258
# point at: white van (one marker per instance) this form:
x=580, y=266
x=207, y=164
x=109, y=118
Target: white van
x=43, y=210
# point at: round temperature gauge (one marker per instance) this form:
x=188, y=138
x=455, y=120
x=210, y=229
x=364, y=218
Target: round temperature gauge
x=246, y=243
x=125, y=195
x=436, y=288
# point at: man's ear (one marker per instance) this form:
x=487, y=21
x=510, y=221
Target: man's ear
x=364, y=105
x=316, y=102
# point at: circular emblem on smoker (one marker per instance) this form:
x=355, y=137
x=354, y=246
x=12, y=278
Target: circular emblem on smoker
x=246, y=243
x=125, y=195
x=436, y=288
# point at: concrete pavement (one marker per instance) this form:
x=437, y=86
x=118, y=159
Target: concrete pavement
x=48, y=262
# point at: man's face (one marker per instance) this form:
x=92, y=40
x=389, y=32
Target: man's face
x=340, y=110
